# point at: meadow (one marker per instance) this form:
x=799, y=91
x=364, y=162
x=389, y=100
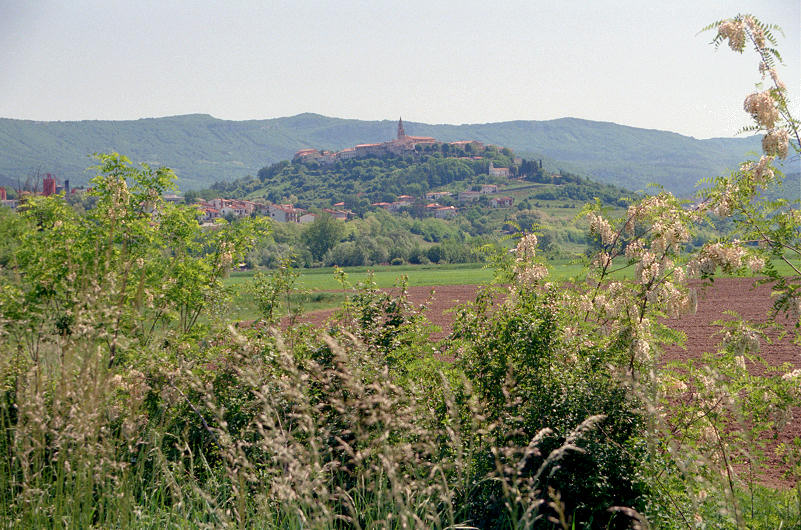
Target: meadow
x=319, y=289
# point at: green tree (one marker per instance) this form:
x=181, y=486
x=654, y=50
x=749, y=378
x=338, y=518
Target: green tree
x=130, y=268
x=322, y=234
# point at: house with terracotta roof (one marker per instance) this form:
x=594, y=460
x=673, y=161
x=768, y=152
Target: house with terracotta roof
x=434, y=195
x=445, y=212
x=285, y=213
x=342, y=215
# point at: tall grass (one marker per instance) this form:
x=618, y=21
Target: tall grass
x=323, y=441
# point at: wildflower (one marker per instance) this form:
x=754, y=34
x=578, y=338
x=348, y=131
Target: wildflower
x=740, y=362
x=531, y=275
x=725, y=256
x=647, y=269
x=602, y=260
x=526, y=247
x=761, y=107
x=775, y=142
x=777, y=81
x=641, y=349
x=674, y=384
x=756, y=31
x=792, y=376
x=634, y=249
x=741, y=341
x=761, y=172
x=734, y=32
x=725, y=202
x=600, y=226
x=754, y=263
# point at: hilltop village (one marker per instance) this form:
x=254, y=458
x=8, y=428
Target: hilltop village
x=471, y=179
x=403, y=145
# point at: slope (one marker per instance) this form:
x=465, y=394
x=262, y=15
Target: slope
x=202, y=149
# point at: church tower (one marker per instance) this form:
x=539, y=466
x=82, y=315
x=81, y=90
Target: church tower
x=401, y=132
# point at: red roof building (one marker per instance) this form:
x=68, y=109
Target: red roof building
x=49, y=185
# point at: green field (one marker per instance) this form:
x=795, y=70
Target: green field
x=324, y=292
x=323, y=279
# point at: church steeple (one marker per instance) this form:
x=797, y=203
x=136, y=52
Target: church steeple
x=401, y=132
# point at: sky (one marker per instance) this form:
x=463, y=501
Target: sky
x=633, y=62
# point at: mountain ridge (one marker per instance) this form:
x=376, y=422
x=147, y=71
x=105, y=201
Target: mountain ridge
x=203, y=149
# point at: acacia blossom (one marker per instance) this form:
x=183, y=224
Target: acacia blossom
x=531, y=275
x=600, y=226
x=761, y=107
x=741, y=341
x=526, y=248
x=776, y=142
x=526, y=272
x=761, y=172
x=734, y=32
x=756, y=32
x=754, y=263
x=778, y=82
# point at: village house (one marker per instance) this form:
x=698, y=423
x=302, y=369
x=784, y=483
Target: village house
x=342, y=215
x=285, y=213
x=489, y=188
x=210, y=213
x=436, y=195
x=468, y=196
x=402, y=144
x=445, y=212
x=498, y=171
x=172, y=198
x=307, y=218
x=501, y=202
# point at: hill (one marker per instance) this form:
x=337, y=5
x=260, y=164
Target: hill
x=203, y=149
x=358, y=182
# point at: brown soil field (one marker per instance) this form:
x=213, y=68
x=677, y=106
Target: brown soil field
x=733, y=294
x=740, y=295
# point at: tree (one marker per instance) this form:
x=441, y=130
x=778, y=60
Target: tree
x=130, y=268
x=322, y=234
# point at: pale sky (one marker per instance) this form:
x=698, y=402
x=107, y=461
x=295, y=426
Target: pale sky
x=632, y=62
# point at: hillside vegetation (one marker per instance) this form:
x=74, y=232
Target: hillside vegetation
x=381, y=178
x=202, y=149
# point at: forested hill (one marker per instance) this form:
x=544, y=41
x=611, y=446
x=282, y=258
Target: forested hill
x=359, y=182
x=202, y=149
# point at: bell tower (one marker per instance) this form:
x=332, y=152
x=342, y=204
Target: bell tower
x=401, y=132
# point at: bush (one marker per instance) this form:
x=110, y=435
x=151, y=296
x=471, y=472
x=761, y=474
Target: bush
x=434, y=253
x=347, y=254
x=514, y=356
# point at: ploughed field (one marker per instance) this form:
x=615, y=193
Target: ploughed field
x=741, y=295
